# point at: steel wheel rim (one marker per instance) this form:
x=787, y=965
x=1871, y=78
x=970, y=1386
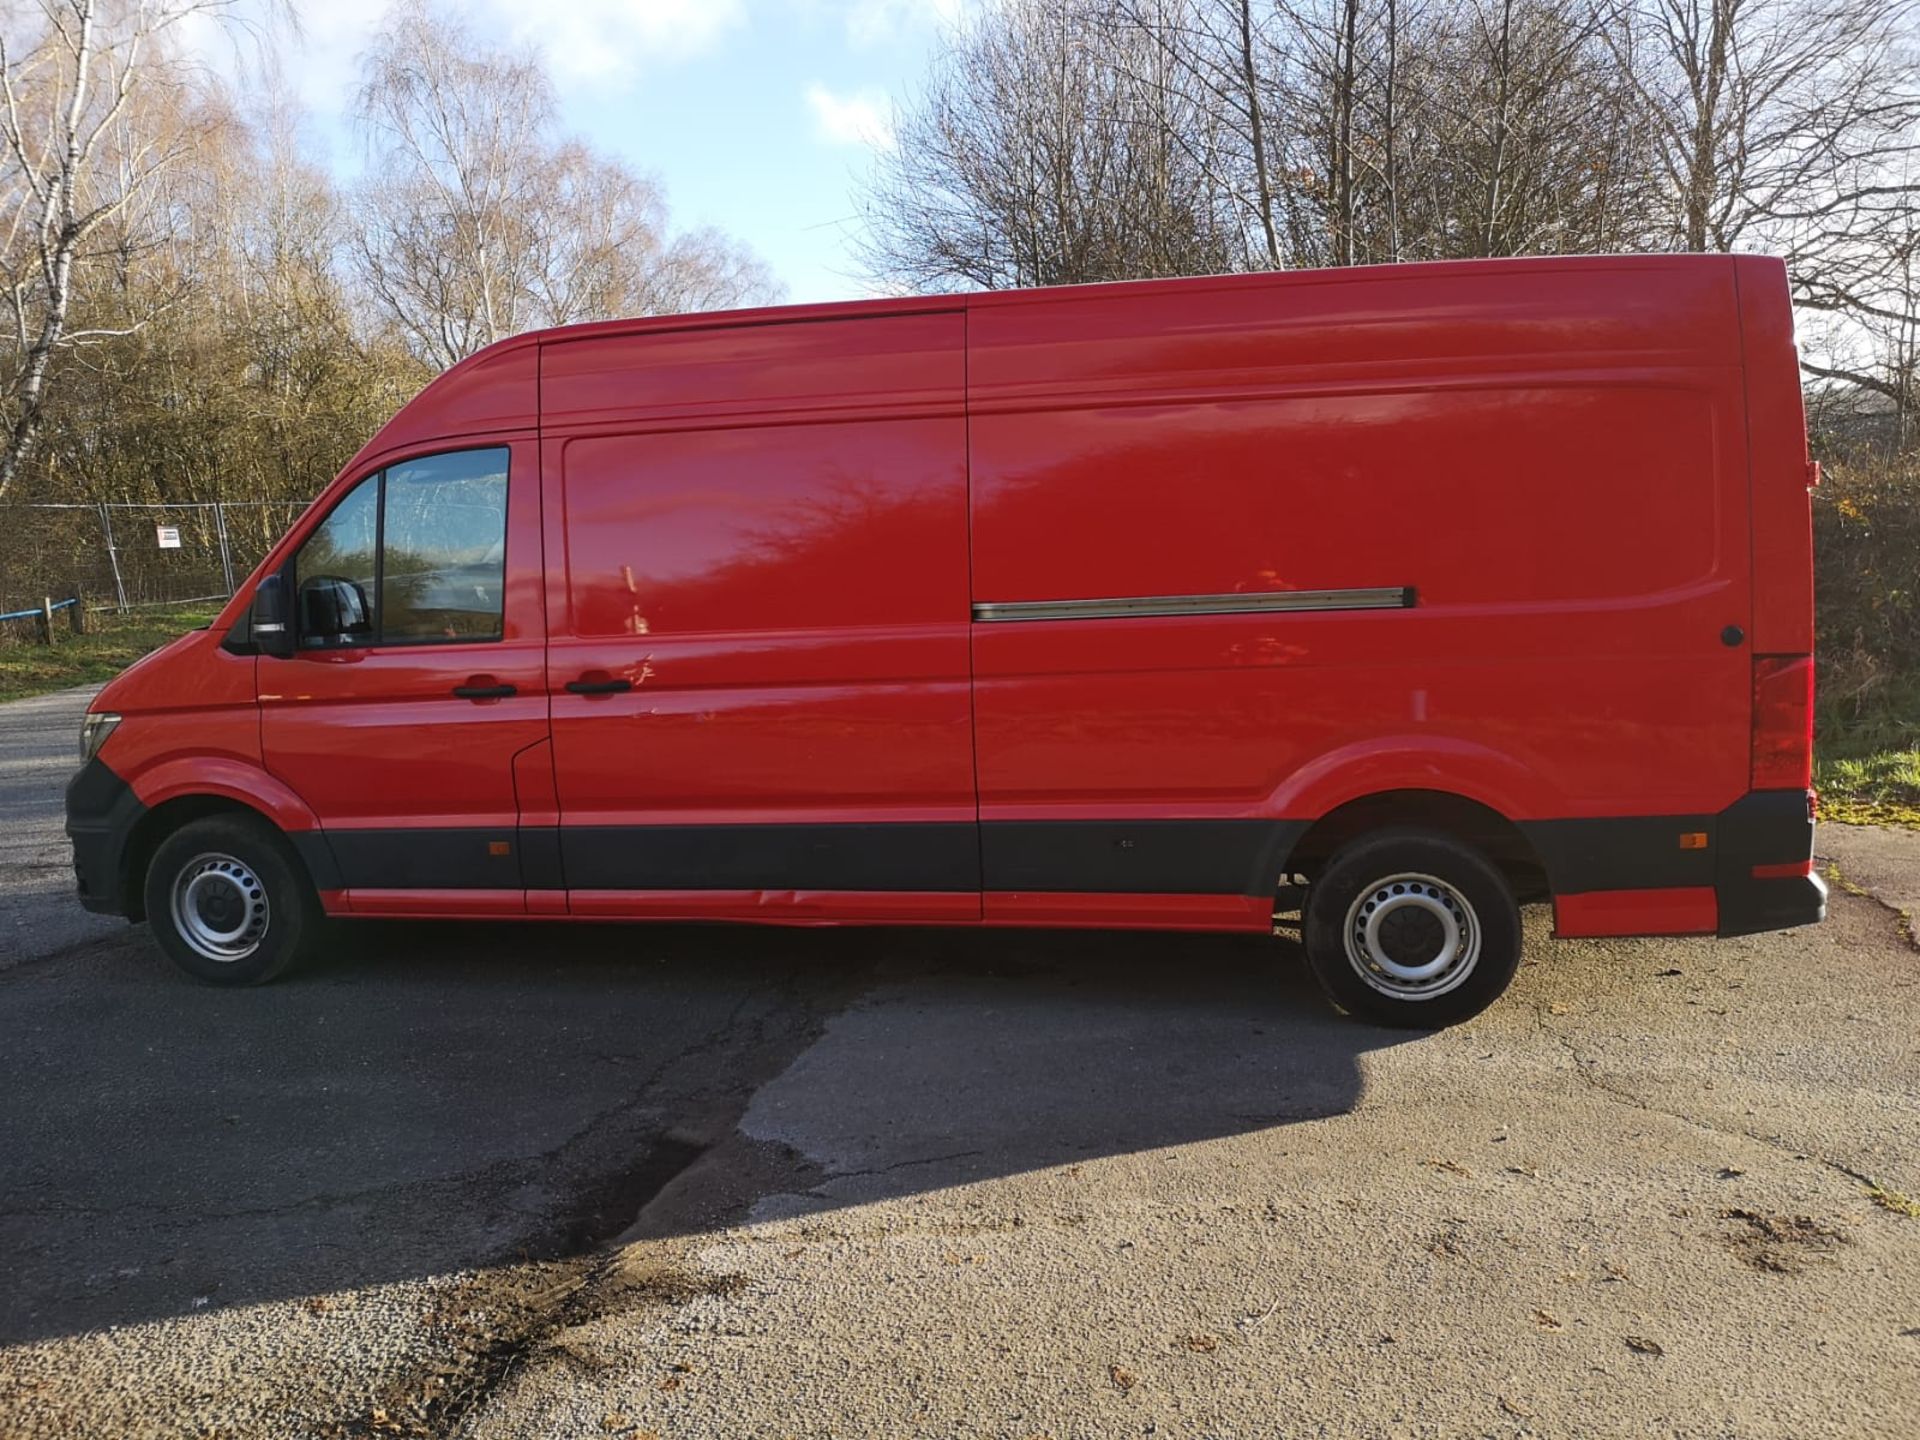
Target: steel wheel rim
x=1412, y=937
x=220, y=908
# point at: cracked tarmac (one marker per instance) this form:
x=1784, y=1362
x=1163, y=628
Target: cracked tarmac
x=942, y=1184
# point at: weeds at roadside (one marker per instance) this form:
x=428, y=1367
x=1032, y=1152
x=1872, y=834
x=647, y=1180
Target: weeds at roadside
x=1893, y=1200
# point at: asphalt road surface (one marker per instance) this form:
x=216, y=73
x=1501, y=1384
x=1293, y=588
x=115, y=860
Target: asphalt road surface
x=554, y=1181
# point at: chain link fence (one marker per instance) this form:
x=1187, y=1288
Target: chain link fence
x=127, y=556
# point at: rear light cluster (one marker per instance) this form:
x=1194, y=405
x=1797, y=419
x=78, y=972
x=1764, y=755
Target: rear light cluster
x=1782, y=722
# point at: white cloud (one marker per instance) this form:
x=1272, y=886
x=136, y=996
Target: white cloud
x=580, y=39
x=588, y=38
x=864, y=117
x=874, y=22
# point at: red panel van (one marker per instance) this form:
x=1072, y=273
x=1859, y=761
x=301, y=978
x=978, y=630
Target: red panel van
x=1402, y=595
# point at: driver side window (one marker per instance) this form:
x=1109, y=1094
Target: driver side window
x=413, y=555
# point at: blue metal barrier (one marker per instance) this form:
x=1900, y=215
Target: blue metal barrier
x=34, y=614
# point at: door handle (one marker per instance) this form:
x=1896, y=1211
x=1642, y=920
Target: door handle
x=599, y=687
x=485, y=692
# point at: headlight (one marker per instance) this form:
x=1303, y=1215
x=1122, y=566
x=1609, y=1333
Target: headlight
x=93, y=733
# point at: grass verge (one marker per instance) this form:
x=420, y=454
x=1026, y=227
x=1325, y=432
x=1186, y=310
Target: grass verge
x=1878, y=788
x=112, y=643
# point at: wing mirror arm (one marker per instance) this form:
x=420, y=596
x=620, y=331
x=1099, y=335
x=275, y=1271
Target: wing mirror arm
x=271, y=617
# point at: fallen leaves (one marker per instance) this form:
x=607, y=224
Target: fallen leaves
x=1641, y=1345
x=1123, y=1379
x=1518, y=1408
x=1547, y=1320
x=1452, y=1167
x=1203, y=1343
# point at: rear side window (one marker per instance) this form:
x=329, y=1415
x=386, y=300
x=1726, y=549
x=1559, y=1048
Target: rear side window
x=414, y=555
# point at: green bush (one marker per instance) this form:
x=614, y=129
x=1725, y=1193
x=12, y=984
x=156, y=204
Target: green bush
x=1866, y=525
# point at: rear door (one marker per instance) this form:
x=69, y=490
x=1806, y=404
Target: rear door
x=757, y=562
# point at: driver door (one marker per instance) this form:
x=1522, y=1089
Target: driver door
x=419, y=674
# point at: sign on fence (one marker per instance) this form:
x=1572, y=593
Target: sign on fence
x=168, y=536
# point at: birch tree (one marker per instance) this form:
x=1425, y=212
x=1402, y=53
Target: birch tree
x=81, y=83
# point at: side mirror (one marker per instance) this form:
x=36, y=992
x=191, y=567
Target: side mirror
x=269, y=618
x=332, y=610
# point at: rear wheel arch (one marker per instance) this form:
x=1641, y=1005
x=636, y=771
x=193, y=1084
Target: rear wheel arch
x=1440, y=812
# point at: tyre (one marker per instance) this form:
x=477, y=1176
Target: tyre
x=1411, y=929
x=229, y=902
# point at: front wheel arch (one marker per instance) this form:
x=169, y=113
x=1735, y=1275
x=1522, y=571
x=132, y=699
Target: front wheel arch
x=164, y=819
x=228, y=900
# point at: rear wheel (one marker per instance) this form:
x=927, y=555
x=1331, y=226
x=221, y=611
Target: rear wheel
x=228, y=901
x=1411, y=928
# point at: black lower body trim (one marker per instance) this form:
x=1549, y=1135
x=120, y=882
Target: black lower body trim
x=482, y=858
x=904, y=856
x=1137, y=857
x=1760, y=905
x=1162, y=857
x=1631, y=852
x=1762, y=828
x=1767, y=827
x=102, y=811
x=1154, y=857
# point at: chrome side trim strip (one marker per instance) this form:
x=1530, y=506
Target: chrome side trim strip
x=1386, y=597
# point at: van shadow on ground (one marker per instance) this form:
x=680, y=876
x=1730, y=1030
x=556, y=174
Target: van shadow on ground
x=432, y=1098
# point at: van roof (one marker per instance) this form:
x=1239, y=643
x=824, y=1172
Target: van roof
x=976, y=299
x=494, y=390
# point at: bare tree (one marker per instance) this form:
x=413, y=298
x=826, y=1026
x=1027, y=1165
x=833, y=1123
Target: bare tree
x=477, y=221
x=1423, y=131
x=1049, y=147
x=1776, y=119
x=75, y=79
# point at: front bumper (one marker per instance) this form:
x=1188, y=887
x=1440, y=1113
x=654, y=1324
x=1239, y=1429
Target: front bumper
x=102, y=811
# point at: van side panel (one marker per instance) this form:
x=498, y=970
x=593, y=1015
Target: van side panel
x=760, y=547
x=1515, y=499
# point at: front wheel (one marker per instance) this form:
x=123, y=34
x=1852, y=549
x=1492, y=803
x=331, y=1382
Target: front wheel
x=227, y=900
x=1411, y=929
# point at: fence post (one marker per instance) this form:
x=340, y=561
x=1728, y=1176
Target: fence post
x=226, y=555
x=77, y=612
x=46, y=620
x=113, y=558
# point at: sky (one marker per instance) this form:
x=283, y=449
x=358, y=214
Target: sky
x=757, y=116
